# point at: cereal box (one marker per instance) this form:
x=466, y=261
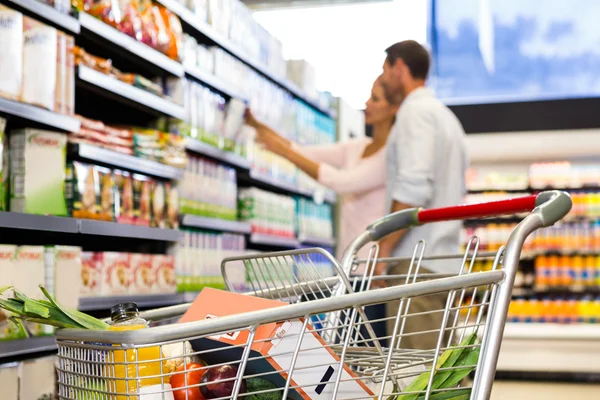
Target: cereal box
x=116, y=272
x=163, y=267
x=142, y=272
x=91, y=274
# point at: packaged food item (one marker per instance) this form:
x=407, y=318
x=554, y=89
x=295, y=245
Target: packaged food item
x=70, y=76
x=29, y=275
x=158, y=205
x=82, y=192
x=42, y=372
x=116, y=272
x=4, y=163
x=124, y=197
x=60, y=94
x=8, y=331
x=106, y=200
x=64, y=266
x=9, y=380
x=149, y=29
x=143, y=277
x=175, y=33
x=163, y=267
x=172, y=205
x=11, y=43
x=37, y=163
x=141, y=199
x=91, y=274
x=82, y=57
x=39, y=63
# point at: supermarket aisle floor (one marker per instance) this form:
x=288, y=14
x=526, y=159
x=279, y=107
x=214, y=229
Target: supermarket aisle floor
x=543, y=391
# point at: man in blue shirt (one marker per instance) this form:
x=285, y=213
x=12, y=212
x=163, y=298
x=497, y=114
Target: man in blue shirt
x=426, y=163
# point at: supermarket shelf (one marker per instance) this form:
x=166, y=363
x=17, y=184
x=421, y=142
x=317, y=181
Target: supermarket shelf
x=131, y=163
x=189, y=20
x=308, y=240
x=196, y=146
x=38, y=115
x=112, y=36
x=258, y=179
x=122, y=90
x=46, y=13
x=267, y=240
x=104, y=303
x=215, y=224
x=16, y=348
x=102, y=228
x=214, y=82
x=550, y=348
x=13, y=220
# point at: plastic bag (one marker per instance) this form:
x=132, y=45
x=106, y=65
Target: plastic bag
x=174, y=32
x=149, y=29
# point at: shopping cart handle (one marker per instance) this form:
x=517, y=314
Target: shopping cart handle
x=551, y=206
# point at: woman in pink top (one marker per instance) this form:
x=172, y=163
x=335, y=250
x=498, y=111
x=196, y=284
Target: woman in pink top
x=354, y=169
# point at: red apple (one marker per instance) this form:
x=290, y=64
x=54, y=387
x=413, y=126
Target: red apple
x=215, y=386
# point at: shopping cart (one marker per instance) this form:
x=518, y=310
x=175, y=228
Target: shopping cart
x=322, y=344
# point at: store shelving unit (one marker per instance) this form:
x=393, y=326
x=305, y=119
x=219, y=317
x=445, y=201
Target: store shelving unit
x=130, y=163
x=194, y=221
x=201, y=148
x=46, y=13
x=214, y=82
x=24, y=347
x=191, y=23
x=266, y=182
x=38, y=115
x=113, y=88
x=108, y=36
x=13, y=220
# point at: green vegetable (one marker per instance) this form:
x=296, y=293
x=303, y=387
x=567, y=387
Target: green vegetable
x=461, y=394
x=47, y=312
x=260, y=385
x=448, y=359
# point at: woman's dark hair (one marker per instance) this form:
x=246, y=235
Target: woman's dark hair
x=415, y=56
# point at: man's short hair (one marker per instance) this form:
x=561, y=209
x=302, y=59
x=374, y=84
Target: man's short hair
x=415, y=56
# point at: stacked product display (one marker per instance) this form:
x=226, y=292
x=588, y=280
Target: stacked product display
x=199, y=260
x=115, y=273
x=268, y=213
x=16, y=379
x=209, y=189
x=314, y=220
x=38, y=64
x=561, y=310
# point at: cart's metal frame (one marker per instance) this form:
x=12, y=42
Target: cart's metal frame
x=548, y=208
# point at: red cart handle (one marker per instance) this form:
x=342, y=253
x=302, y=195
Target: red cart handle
x=551, y=206
x=479, y=210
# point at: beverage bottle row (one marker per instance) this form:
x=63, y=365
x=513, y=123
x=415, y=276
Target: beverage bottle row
x=314, y=220
x=555, y=310
x=199, y=259
x=267, y=212
x=567, y=270
x=209, y=189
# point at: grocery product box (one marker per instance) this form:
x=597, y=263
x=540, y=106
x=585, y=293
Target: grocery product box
x=9, y=381
x=141, y=199
x=11, y=43
x=172, y=193
x=116, y=272
x=143, y=278
x=8, y=331
x=4, y=170
x=66, y=270
x=163, y=267
x=273, y=348
x=159, y=205
x=123, y=197
x=29, y=275
x=91, y=274
x=39, y=63
x=37, y=164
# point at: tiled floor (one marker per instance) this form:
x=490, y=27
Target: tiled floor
x=544, y=391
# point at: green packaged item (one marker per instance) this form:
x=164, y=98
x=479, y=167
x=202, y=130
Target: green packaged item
x=37, y=176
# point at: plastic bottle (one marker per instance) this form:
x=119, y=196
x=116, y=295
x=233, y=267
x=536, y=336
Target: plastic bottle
x=140, y=363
